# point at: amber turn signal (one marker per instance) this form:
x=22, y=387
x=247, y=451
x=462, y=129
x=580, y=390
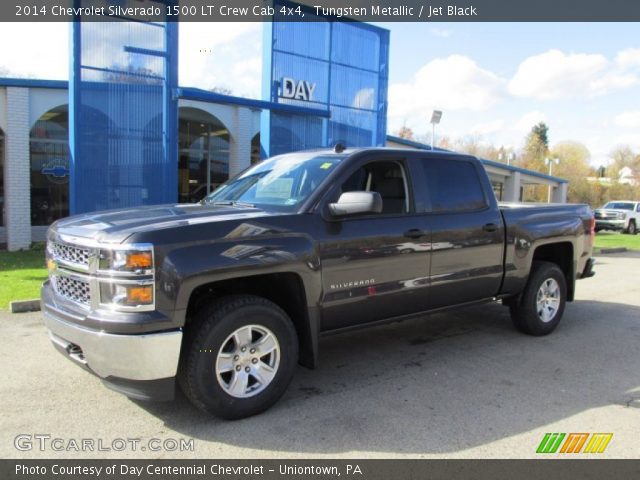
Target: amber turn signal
x=139, y=260
x=140, y=295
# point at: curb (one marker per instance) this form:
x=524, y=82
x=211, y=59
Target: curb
x=24, y=306
x=613, y=250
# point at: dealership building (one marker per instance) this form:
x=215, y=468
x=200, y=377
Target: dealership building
x=128, y=136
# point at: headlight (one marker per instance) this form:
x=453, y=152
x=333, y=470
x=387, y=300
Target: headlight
x=133, y=295
x=126, y=277
x=138, y=259
x=623, y=216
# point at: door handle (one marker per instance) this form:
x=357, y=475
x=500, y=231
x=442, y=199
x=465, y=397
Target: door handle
x=490, y=227
x=414, y=233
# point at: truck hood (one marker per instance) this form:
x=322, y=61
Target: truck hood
x=115, y=226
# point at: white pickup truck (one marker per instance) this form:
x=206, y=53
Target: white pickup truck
x=621, y=215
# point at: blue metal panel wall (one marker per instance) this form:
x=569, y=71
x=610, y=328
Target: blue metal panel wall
x=347, y=62
x=123, y=115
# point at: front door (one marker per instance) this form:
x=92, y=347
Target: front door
x=375, y=266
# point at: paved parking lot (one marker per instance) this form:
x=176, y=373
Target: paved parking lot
x=462, y=384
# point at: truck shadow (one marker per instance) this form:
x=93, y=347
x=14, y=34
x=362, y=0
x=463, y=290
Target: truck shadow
x=437, y=385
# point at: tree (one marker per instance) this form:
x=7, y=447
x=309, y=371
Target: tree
x=536, y=147
x=574, y=166
x=405, y=132
x=623, y=156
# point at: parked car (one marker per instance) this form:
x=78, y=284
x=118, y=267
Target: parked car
x=228, y=295
x=619, y=215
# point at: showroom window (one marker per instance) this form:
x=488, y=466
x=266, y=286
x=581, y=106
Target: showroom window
x=49, y=158
x=203, y=154
x=2, y=213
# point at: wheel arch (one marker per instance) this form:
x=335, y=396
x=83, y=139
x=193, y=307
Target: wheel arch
x=285, y=289
x=560, y=253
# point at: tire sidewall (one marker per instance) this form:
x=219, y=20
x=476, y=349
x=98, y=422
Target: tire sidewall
x=202, y=374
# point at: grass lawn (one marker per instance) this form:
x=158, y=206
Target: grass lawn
x=21, y=274
x=613, y=240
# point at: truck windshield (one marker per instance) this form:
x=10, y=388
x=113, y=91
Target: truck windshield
x=619, y=206
x=280, y=183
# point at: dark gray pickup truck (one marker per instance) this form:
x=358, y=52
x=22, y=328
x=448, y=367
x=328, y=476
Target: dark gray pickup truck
x=228, y=295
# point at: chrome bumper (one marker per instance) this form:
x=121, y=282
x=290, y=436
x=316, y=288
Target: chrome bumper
x=615, y=224
x=133, y=357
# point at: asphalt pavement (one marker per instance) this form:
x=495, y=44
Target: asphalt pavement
x=459, y=384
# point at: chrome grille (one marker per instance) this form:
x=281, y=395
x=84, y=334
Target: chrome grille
x=611, y=215
x=69, y=253
x=75, y=290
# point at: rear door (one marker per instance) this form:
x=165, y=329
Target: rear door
x=374, y=266
x=467, y=231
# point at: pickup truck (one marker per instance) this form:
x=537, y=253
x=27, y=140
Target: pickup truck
x=620, y=215
x=226, y=296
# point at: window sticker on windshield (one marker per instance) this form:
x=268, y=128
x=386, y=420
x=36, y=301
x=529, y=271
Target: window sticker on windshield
x=326, y=165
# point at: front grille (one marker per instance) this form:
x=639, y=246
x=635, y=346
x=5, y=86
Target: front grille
x=69, y=253
x=73, y=289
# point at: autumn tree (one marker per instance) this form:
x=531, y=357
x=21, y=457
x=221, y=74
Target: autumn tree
x=622, y=156
x=536, y=148
x=574, y=166
x=405, y=132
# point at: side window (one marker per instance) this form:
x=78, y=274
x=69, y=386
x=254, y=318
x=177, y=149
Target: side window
x=386, y=178
x=638, y=208
x=453, y=185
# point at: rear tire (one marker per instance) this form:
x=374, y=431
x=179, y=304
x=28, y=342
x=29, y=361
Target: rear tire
x=239, y=358
x=542, y=302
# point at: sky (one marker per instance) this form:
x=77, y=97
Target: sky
x=493, y=81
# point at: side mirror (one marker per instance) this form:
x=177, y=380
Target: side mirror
x=352, y=203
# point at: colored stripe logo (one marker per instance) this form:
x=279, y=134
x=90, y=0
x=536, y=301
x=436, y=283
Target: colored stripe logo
x=574, y=442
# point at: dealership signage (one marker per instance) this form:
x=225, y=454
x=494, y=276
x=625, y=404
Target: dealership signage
x=297, y=90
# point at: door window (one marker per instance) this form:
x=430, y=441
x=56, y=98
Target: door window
x=454, y=185
x=388, y=179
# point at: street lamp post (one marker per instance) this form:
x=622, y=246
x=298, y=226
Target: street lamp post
x=550, y=162
x=511, y=156
x=435, y=119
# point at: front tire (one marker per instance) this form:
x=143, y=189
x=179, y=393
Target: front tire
x=542, y=303
x=632, y=229
x=240, y=357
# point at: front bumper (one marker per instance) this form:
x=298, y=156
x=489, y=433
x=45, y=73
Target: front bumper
x=611, y=224
x=140, y=366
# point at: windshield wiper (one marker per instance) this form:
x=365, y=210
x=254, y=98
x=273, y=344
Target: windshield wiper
x=233, y=203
